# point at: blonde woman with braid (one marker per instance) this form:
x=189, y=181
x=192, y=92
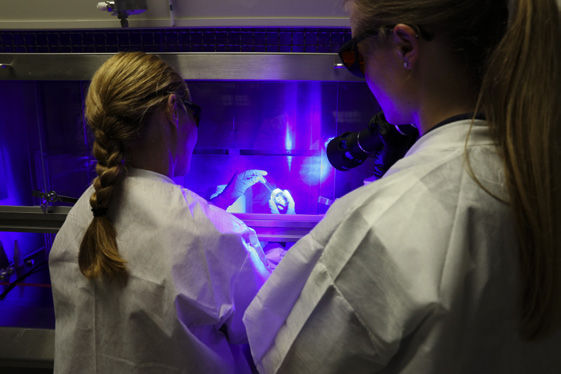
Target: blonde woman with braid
x=450, y=263
x=147, y=277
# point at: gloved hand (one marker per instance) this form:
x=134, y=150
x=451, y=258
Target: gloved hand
x=281, y=202
x=237, y=186
x=274, y=253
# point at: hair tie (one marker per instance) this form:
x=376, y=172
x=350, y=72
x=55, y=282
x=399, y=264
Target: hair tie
x=99, y=212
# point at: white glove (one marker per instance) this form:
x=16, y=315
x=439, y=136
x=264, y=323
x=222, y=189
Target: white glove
x=276, y=199
x=237, y=186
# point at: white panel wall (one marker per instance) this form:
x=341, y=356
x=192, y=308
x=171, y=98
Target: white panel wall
x=83, y=14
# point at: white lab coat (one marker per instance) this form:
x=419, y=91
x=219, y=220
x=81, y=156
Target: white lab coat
x=193, y=270
x=415, y=273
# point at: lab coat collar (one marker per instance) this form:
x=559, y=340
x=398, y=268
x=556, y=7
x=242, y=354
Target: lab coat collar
x=456, y=118
x=452, y=135
x=143, y=173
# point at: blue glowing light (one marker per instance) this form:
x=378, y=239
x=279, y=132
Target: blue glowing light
x=288, y=137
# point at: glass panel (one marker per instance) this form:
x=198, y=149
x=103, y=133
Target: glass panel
x=280, y=127
x=43, y=144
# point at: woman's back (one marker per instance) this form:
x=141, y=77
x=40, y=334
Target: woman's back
x=192, y=272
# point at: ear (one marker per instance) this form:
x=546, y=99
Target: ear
x=406, y=41
x=172, y=113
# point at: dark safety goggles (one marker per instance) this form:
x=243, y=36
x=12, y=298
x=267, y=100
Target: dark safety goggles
x=195, y=110
x=351, y=57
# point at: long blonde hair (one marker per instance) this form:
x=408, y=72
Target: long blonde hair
x=521, y=98
x=122, y=95
x=513, y=56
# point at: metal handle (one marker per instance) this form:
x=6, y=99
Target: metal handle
x=6, y=66
x=338, y=65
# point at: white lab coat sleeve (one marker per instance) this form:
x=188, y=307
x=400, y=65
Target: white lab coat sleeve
x=224, y=259
x=241, y=254
x=267, y=312
x=323, y=334
x=250, y=278
x=266, y=315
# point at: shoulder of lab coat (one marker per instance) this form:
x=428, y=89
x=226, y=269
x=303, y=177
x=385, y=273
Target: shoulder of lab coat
x=387, y=258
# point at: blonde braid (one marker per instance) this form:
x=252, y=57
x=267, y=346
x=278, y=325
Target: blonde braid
x=103, y=257
x=123, y=93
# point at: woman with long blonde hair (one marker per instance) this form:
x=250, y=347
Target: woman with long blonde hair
x=451, y=263
x=146, y=275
